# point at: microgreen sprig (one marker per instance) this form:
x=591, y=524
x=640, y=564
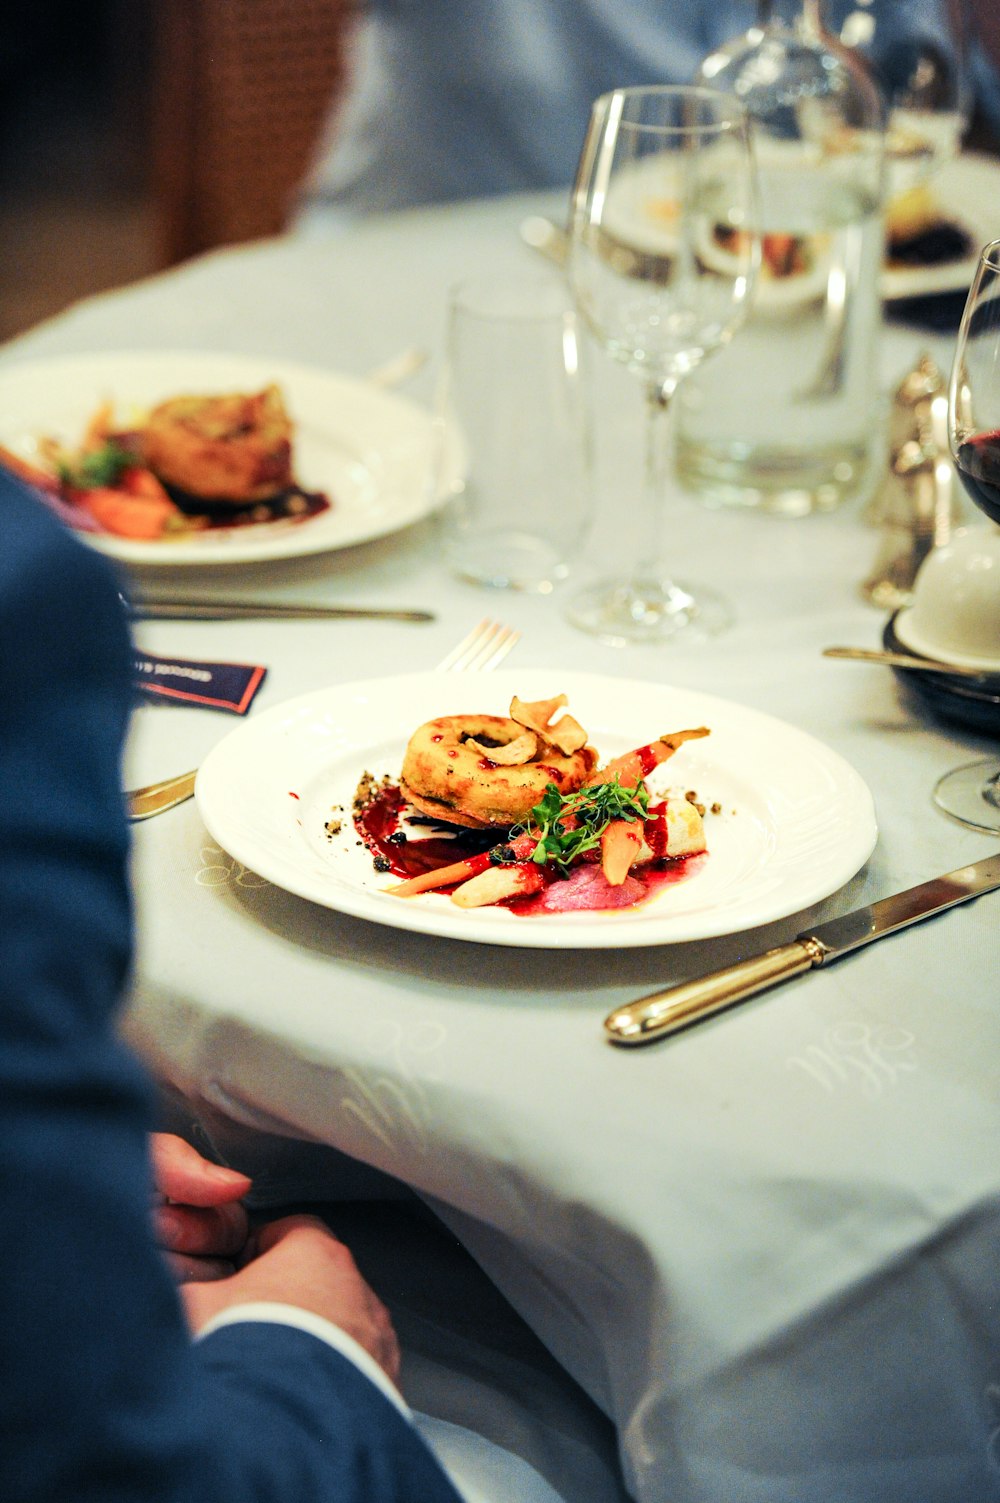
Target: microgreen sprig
x=567, y=825
x=99, y=467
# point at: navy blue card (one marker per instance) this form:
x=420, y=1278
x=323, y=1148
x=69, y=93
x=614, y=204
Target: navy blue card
x=213, y=686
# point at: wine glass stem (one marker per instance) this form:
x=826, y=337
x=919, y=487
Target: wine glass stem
x=650, y=571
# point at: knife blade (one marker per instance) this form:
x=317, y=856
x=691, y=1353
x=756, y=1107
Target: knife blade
x=236, y=610
x=664, y=1012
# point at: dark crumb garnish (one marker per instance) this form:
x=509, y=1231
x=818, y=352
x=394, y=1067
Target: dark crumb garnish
x=713, y=808
x=368, y=790
x=397, y=837
x=502, y=855
x=381, y=864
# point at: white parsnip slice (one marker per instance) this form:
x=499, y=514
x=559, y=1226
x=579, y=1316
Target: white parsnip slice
x=685, y=828
x=498, y=884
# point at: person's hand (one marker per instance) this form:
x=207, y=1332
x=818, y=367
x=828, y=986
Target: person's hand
x=198, y=1219
x=298, y=1261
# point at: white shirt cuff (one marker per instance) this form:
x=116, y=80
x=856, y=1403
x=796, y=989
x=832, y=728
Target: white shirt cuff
x=273, y=1312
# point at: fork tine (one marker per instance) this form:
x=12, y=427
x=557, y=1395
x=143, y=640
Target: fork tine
x=502, y=644
x=481, y=649
x=487, y=644
x=456, y=657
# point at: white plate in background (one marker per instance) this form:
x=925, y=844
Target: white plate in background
x=966, y=190
x=367, y=450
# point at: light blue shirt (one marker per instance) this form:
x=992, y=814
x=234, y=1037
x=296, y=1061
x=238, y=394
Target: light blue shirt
x=466, y=98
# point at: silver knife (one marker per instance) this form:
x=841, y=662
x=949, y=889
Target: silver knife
x=676, y=1007
x=236, y=610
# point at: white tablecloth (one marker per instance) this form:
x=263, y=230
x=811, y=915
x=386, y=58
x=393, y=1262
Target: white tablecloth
x=769, y=1249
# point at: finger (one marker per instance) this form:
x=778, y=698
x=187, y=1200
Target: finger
x=187, y=1270
x=180, y=1173
x=274, y=1232
x=389, y=1357
x=215, y=1231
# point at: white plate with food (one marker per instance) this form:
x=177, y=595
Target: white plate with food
x=786, y=820
x=360, y=458
x=961, y=195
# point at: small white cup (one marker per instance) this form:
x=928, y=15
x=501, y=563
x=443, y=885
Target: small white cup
x=513, y=401
x=955, y=614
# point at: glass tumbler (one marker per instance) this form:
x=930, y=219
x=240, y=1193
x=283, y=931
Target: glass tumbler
x=513, y=434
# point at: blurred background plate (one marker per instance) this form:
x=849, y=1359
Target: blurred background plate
x=367, y=450
x=966, y=191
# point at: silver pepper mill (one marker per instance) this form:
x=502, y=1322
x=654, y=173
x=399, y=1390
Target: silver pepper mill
x=918, y=507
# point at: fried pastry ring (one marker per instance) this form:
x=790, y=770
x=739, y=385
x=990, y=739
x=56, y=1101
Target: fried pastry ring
x=446, y=777
x=235, y=448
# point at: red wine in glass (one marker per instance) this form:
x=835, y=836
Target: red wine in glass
x=971, y=794
x=977, y=461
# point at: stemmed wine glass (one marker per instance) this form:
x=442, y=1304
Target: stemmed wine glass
x=663, y=254
x=972, y=793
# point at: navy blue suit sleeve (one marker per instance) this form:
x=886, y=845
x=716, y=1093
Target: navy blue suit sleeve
x=302, y=1390
x=103, y=1398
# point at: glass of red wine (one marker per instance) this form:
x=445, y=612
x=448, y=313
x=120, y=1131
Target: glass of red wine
x=971, y=793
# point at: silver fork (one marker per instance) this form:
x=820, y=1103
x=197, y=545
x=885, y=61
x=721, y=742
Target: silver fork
x=481, y=649
x=486, y=645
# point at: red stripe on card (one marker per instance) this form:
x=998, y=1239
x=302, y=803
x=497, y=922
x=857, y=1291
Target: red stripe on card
x=251, y=689
x=198, y=699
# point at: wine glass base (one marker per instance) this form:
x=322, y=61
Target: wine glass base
x=622, y=612
x=971, y=794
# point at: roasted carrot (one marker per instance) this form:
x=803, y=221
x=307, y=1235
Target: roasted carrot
x=127, y=516
x=28, y=472
x=443, y=876
x=138, y=481
x=633, y=766
x=459, y=871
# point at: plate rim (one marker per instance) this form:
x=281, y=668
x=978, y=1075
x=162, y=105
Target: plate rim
x=258, y=367
x=537, y=934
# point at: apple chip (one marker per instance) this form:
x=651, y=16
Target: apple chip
x=568, y=735
x=514, y=754
x=536, y=713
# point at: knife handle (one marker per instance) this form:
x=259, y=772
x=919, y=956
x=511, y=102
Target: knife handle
x=142, y=803
x=664, y=1012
